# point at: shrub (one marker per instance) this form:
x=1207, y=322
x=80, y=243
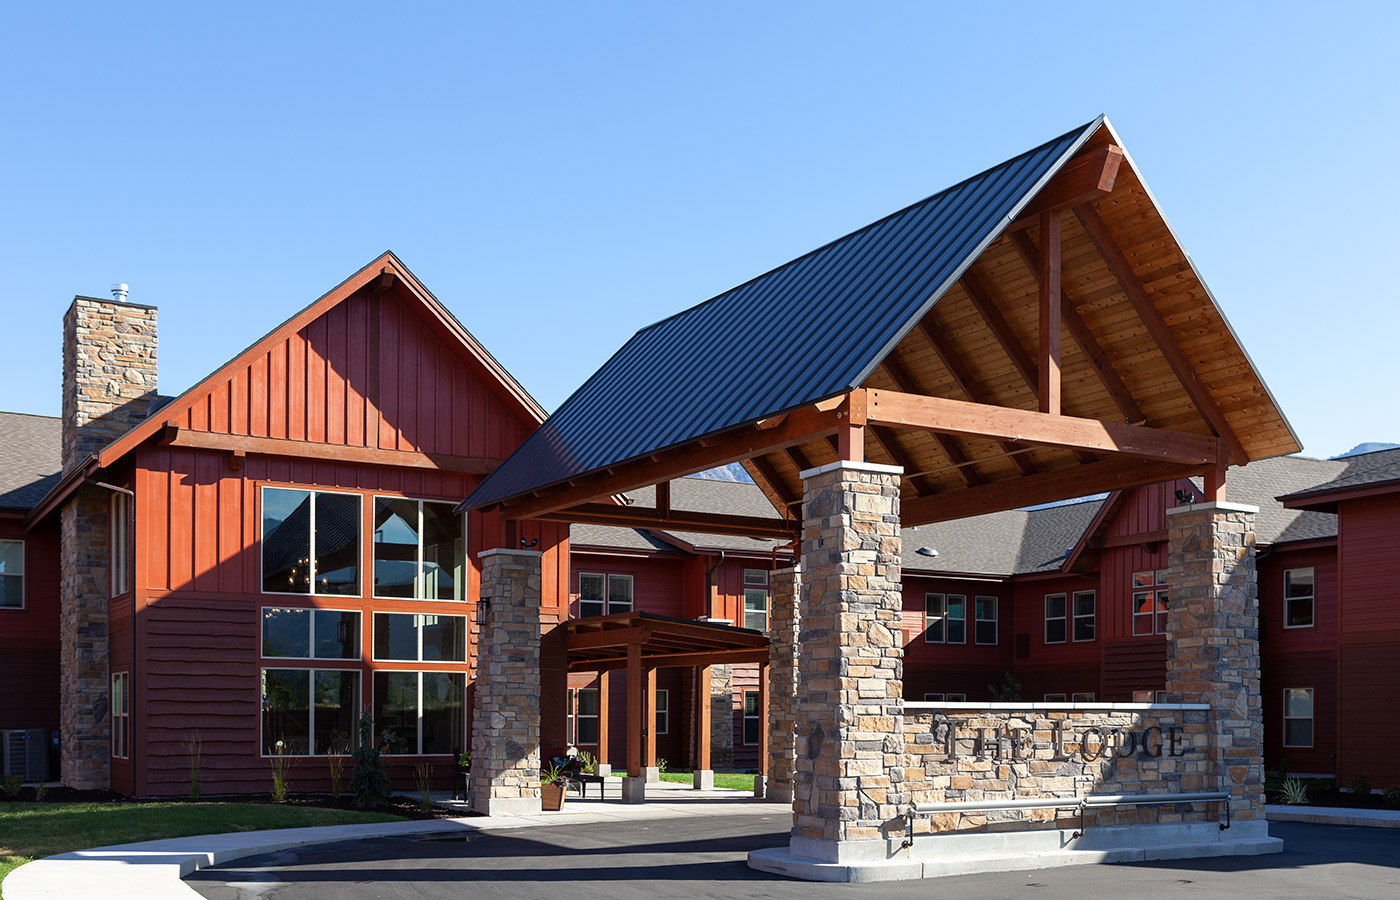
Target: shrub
x=336, y=763
x=585, y=762
x=281, y=771
x=368, y=780
x=40, y=789
x=661, y=765
x=1360, y=786
x=423, y=776
x=194, y=748
x=1009, y=692
x=10, y=785
x=1392, y=795
x=1295, y=791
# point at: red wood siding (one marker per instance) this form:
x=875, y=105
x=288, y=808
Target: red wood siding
x=29, y=640
x=657, y=583
x=1301, y=670
x=1131, y=666
x=1322, y=635
x=1029, y=619
x=1370, y=583
x=1369, y=724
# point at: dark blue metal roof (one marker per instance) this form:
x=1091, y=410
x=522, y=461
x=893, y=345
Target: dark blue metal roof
x=807, y=330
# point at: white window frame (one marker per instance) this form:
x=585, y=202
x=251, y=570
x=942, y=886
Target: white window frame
x=1160, y=596
x=996, y=627
x=463, y=740
x=1082, y=697
x=744, y=717
x=662, y=713
x=1311, y=598
x=418, y=634
x=1063, y=618
x=757, y=587
x=575, y=716
x=121, y=713
x=1055, y=698
x=932, y=697
x=1076, y=617
x=607, y=592
x=23, y=568
x=119, y=543
x=311, y=632
x=311, y=565
x=1312, y=719
x=311, y=700
x=945, y=616
x=418, y=581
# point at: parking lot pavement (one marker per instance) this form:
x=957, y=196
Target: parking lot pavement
x=704, y=857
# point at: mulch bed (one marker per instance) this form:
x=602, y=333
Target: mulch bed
x=1330, y=796
x=399, y=806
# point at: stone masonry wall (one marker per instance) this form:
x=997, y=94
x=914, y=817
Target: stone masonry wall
x=957, y=755
x=1213, y=641
x=109, y=373
x=850, y=746
x=721, y=718
x=505, y=772
x=783, y=648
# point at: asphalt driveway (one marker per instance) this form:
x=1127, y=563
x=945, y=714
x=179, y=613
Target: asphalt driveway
x=704, y=857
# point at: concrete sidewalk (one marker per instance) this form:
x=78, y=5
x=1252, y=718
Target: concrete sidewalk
x=1334, y=815
x=152, y=870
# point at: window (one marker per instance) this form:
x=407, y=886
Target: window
x=985, y=631
x=420, y=550
x=945, y=698
x=604, y=595
x=752, y=727
x=663, y=711
x=310, y=542
x=1054, y=698
x=1298, y=598
x=1083, y=697
x=1150, y=602
x=310, y=633
x=312, y=712
x=420, y=713
x=121, y=715
x=11, y=574
x=414, y=637
x=1298, y=717
x=945, y=619
x=756, y=599
x=583, y=716
x=119, y=530
x=1084, y=602
x=1055, y=618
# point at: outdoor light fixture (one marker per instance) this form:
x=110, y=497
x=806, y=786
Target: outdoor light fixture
x=528, y=543
x=483, y=610
x=1185, y=496
x=926, y=551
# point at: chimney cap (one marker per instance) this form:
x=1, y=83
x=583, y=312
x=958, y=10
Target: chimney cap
x=119, y=292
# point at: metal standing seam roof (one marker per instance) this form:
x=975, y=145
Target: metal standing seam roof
x=766, y=346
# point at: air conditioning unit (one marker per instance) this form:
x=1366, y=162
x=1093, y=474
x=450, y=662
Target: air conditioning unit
x=26, y=753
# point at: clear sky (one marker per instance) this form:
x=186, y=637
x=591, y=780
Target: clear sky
x=562, y=174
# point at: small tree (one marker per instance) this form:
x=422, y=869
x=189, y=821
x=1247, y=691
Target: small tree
x=368, y=780
x=1009, y=692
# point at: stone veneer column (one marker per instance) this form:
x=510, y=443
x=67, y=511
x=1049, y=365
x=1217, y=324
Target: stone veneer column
x=783, y=598
x=721, y=718
x=109, y=384
x=505, y=775
x=1213, y=641
x=848, y=795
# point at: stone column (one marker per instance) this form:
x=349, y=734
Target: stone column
x=722, y=718
x=784, y=589
x=505, y=776
x=847, y=792
x=1213, y=642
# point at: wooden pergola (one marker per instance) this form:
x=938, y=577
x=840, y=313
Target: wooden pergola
x=641, y=643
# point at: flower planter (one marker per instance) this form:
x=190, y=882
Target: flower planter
x=552, y=797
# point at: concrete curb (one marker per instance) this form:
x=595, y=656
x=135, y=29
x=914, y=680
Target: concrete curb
x=1334, y=815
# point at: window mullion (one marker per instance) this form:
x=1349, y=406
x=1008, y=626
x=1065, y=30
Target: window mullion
x=419, y=592
x=311, y=547
x=420, y=710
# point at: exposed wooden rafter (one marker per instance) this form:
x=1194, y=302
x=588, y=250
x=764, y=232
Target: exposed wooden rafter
x=676, y=519
x=1087, y=177
x=174, y=436
x=905, y=382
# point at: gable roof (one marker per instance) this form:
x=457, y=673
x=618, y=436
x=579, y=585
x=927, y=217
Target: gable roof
x=1371, y=472
x=30, y=458
x=763, y=347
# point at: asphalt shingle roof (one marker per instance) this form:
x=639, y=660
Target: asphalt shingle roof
x=30, y=458
x=1364, y=470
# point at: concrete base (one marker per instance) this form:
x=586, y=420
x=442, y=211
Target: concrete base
x=778, y=794
x=634, y=790
x=508, y=806
x=934, y=856
x=703, y=779
x=602, y=769
x=652, y=774
x=760, y=787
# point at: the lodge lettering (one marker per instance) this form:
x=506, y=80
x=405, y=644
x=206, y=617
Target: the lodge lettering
x=1088, y=743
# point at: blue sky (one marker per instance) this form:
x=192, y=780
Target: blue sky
x=562, y=174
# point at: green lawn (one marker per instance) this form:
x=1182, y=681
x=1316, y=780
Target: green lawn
x=30, y=831
x=736, y=780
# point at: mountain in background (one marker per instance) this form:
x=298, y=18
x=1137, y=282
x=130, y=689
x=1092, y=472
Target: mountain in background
x=1368, y=447
x=732, y=472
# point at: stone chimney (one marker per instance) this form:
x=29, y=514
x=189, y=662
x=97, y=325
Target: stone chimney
x=109, y=387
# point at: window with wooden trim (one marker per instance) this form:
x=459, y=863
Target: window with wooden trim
x=420, y=550
x=753, y=730
x=121, y=715
x=985, y=630
x=583, y=716
x=604, y=595
x=1298, y=717
x=945, y=619
x=1056, y=629
x=310, y=633
x=310, y=712
x=11, y=574
x=756, y=599
x=1150, y=602
x=421, y=713
x=416, y=637
x=310, y=542
x=1298, y=592
x=663, y=711
x=119, y=543
x=1083, y=608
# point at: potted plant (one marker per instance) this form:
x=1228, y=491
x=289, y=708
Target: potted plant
x=554, y=781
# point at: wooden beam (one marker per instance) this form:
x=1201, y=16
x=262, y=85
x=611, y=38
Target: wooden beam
x=635, y=722
x=1158, y=330
x=603, y=683
x=905, y=381
x=649, y=720
x=1047, y=487
x=801, y=425
x=702, y=718
x=1005, y=336
x=1079, y=331
x=680, y=520
x=174, y=436
x=763, y=702
x=1128, y=540
x=799, y=459
x=1049, y=276
x=1215, y=484
x=1001, y=423
x=1086, y=177
x=663, y=498
x=766, y=476
x=675, y=660
x=608, y=637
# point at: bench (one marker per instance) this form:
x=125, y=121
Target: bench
x=1083, y=804
x=583, y=781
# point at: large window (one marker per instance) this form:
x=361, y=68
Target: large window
x=310, y=633
x=310, y=542
x=1150, y=602
x=1055, y=628
x=604, y=595
x=583, y=716
x=119, y=545
x=945, y=619
x=121, y=715
x=663, y=712
x=1298, y=717
x=756, y=599
x=1084, y=603
x=420, y=713
x=753, y=730
x=312, y=712
x=985, y=630
x=414, y=637
x=11, y=574
x=1298, y=598
x=420, y=550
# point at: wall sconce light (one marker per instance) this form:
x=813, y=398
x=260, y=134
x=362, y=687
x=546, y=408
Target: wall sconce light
x=1185, y=497
x=483, y=611
x=529, y=543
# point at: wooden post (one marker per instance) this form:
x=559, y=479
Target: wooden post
x=1215, y=485
x=702, y=720
x=763, y=719
x=635, y=722
x=649, y=721
x=1050, y=313
x=603, y=679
